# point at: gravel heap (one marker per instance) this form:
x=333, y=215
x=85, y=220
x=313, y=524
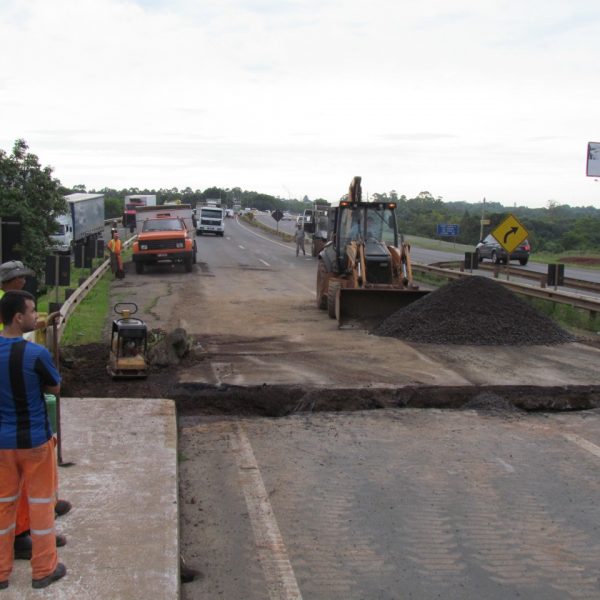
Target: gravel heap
x=473, y=311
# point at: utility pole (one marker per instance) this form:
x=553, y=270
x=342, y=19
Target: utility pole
x=482, y=220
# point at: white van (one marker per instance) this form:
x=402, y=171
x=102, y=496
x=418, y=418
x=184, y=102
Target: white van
x=210, y=219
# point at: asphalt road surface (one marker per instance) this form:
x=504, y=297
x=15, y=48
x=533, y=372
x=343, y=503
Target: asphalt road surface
x=386, y=504
x=392, y=505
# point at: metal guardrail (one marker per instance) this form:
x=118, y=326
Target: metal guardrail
x=78, y=295
x=571, y=299
x=542, y=278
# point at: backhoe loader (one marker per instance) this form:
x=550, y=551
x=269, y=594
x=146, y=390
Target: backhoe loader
x=364, y=274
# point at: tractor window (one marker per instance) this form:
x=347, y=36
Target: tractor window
x=380, y=225
x=350, y=225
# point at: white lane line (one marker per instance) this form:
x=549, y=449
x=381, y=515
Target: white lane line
x=262, y=237
x=241, y=247
x=264, y=262
x=508, y=467
x=583, y=443
x=279, y=575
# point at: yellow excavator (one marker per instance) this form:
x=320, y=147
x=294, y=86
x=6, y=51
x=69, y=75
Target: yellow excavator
x=364, y=272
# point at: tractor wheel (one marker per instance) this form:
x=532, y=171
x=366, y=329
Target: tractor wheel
x=139, y=267
x=321, y=282
x=334, y=286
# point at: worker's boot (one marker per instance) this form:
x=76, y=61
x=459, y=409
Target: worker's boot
x=24, y=545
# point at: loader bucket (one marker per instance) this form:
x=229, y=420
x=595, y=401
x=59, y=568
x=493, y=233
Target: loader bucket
x=366, y=308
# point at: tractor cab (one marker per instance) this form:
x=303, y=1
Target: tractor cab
x=128, y=343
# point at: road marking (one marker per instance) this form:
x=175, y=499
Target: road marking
x=583, y=443
x=509, y=468
x=272, y=553
x=290, y=248
x=241, y=247
x=264, y=262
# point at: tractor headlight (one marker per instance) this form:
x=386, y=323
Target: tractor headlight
x=143, y=246
x=179, y=245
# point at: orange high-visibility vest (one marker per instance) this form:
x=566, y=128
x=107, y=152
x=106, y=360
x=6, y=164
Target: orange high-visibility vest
x=114, y=246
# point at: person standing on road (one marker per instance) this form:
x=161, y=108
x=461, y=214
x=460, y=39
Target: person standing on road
x=12, y=277
x=27, y=447
x=299, y=239
x=114, y=248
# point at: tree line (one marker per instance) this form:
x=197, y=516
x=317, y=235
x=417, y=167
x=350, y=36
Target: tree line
x=31, y=192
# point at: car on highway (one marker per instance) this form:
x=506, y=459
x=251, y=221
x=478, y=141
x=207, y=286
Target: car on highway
x=286, y=216
x=490, y=248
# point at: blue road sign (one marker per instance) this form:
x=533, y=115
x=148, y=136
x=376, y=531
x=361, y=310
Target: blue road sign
x=448, y=230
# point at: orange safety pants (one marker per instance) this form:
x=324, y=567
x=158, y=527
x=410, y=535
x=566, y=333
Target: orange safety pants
x=34, y=469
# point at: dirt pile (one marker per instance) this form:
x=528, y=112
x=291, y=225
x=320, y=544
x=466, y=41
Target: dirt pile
x=473, y=311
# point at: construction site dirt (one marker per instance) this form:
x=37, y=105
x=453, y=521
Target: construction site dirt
x=260, y=347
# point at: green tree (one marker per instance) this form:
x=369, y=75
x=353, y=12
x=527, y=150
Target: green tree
x=28, y=191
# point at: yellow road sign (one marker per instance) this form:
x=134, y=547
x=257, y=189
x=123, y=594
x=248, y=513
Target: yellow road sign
x=510, y=233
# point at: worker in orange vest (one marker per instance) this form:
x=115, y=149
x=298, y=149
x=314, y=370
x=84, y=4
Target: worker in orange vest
x=114, y=247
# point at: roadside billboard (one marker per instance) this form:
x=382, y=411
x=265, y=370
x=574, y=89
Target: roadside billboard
x=593, y=159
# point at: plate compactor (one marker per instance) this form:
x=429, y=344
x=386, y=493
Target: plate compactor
x=128, y=344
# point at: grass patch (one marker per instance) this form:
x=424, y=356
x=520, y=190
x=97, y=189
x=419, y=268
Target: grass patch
x=286, y=237
x=429, y=244
x=567, y=316
x=568, y=258
x=86, y=324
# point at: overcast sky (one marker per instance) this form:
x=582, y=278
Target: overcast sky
x=462, y=98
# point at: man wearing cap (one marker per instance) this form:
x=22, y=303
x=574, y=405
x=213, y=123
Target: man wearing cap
x=12, y=277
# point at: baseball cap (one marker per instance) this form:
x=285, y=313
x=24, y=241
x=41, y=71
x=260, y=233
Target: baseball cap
x=12, y=269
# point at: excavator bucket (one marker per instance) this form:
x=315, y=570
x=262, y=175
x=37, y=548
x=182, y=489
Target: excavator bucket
x=362, y=308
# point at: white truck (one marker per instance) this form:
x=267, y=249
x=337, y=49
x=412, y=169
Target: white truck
x=210, y=219
x=132, y=203
x=181, y=211
x=84, y=220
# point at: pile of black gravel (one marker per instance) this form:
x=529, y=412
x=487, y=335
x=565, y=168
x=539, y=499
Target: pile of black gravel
x=473, y=311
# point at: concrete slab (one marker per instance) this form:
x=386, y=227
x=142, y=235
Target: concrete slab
x=123, y=530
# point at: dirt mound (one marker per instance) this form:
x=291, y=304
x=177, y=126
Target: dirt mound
x=581, y=260
x=473, y=311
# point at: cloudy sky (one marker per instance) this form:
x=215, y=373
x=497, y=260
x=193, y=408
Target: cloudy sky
x=463, y=98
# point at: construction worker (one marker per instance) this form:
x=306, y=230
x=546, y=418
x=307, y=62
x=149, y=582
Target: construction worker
x=12, y=277
x=299, y=239
x=27, y=446
x=114, y=248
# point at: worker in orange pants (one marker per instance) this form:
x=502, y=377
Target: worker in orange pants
x=12, y=277
x=37, y=467
x=27, y=446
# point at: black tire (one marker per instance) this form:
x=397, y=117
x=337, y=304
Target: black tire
x=495, y=258
x=334, y=286
x=139, y=267
x=523, y=261
x=321, y=293
x=194, y=250
x=187, y=263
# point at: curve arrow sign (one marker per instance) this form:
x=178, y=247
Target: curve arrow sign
x=512, y=230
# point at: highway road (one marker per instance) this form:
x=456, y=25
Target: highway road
x=428, y=256
x=400, y=503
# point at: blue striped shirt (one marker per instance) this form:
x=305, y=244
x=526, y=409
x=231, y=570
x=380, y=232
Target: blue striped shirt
x=25, y=369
